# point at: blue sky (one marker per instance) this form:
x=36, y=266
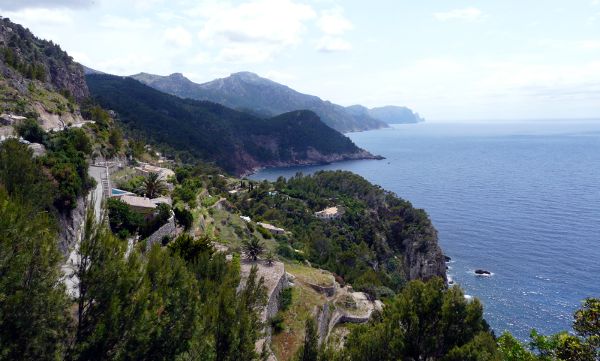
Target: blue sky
x=446, y=59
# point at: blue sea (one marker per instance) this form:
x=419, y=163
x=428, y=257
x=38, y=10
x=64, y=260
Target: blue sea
x=519, y=199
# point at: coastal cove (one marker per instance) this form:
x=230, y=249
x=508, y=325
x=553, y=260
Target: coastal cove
x=518, y=199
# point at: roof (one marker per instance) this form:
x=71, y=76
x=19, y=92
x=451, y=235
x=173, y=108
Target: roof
x=331, y=211
x=270, y=227
x=140, y=202
x=159, y=200
x=154, y=169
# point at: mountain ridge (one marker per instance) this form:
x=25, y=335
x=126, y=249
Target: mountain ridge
x=249, y=92
x=238, y=142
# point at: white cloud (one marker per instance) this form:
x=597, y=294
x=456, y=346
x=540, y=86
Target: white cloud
x=39, y=16
x=178, y=36
x=122, y=23
x=43, y=4
x=589, y=44
x=266, y=21
x=246, y=53
x=467, y=14
x=254, y=31
x=81, y=58
x=329, y=44
x=333, y=22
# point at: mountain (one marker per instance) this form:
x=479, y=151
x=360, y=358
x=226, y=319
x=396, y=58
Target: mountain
x=251, y=93
x=236, y=141
x=390, y=114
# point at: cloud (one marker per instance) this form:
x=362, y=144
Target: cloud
x=254, y=31
x=247, y=53
x=333, y=22
x=589, y=44
x=329, y=44
x=178, y=36
x=467, y=14
x=121, y=23
x=8, y=5
x=266, y=21
x=41, y=16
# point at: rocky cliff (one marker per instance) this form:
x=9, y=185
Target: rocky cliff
x=41, y=60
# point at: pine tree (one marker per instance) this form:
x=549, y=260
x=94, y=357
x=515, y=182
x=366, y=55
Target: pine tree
x=33, y=302
x=309, y=351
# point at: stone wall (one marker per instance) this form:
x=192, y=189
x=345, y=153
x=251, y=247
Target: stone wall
x=167, y=229
x=71, y=226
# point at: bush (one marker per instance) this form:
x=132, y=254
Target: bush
x=284, y=250
x=264, y=232
x=31, y=131
x=277, y=323
x=122, y=220
x=183, y=217
x=285, y=299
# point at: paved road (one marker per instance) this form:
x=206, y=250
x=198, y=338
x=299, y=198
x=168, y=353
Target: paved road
x=99, y=174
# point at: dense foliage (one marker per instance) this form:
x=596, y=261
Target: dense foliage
x=436, y=323
x=33, y=303
x=60, y=176
x=234, y=140
x=365, y=245
x=155, y=305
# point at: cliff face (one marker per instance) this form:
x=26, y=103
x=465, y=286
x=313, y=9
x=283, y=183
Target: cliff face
x=25, y=57
x=423, y=259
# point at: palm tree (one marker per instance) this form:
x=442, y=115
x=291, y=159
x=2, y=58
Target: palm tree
x=153, y=185
x=270, y=258
x=253, y=248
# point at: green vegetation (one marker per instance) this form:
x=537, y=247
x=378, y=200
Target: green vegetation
x=34, y=71
x=127, y=302
x=64, y=170
x=376, y=228
x=437, y=323
x=67, y=160
x=31, y=131
x=154, y=186
x=125, y=222
x=33, y=303
x=196, y=130
x=253, y=248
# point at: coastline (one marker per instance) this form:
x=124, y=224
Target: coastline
x=308, y=163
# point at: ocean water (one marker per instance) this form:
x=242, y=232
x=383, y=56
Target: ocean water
x=521, y=200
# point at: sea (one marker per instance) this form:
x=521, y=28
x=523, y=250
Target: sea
x=519, y=199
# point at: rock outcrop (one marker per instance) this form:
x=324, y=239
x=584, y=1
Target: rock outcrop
x=40, y=59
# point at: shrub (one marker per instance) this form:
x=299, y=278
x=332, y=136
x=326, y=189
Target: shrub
x=264, y=232
x=277, y=323
x=184, y=217
x=285, y=299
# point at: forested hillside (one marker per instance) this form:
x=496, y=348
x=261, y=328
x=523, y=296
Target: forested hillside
x=249, y=92
x=378, y=243
x=236, y=141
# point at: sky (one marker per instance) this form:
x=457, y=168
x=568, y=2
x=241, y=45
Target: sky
x=446, y=59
